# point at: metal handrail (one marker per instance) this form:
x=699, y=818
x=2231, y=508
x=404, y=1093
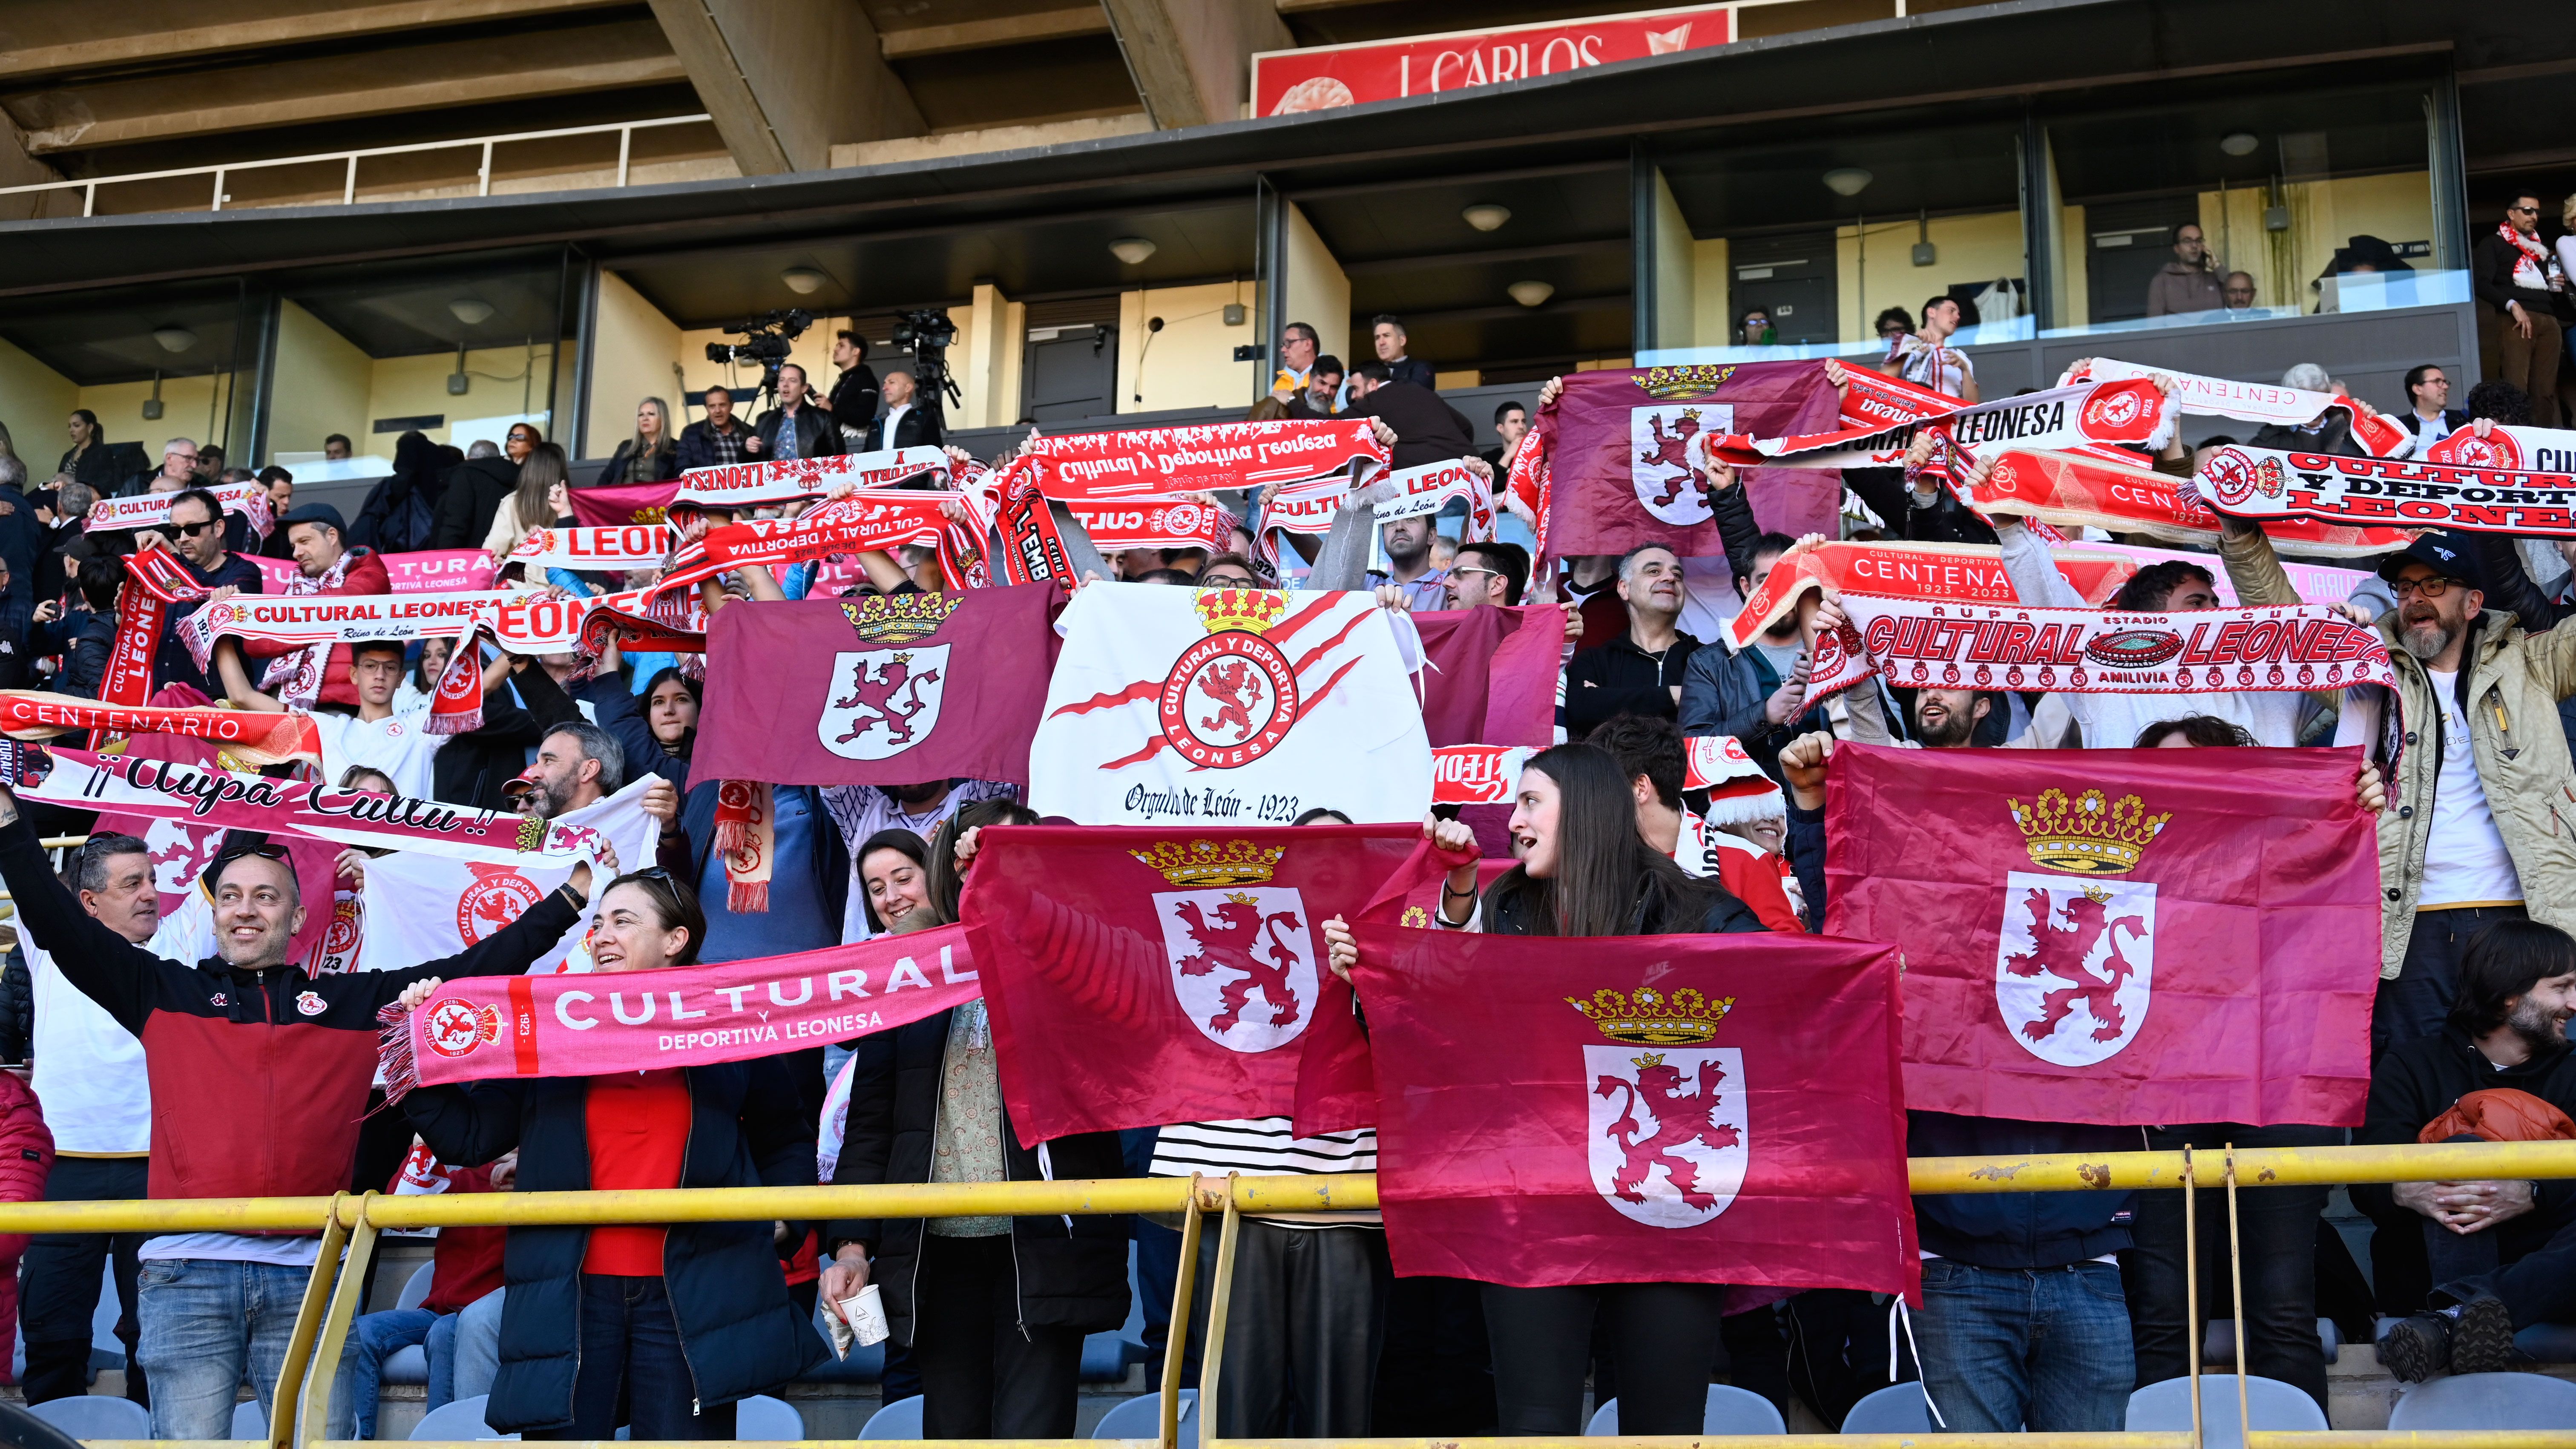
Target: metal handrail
x=623, y=130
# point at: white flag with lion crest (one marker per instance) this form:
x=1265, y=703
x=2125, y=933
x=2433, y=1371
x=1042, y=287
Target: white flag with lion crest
x=420, y=907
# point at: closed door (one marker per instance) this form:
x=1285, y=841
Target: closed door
x=1071, y=372
x=1789, y=276
x=2125, y=244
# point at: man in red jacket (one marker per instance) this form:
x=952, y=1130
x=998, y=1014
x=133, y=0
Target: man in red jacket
x=314, y=532
x=259, y=1074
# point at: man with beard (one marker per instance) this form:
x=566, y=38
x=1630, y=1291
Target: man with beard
x=1948, y=719
x=1408, y=563
x=2479, y=780
x=2482, y=1258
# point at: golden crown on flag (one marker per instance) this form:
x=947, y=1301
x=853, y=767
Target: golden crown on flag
x=1652, y=1018
x=898, y=618
x=2089, y=834
x=1674, y=383
x=1252, y=611
x=1204, y=863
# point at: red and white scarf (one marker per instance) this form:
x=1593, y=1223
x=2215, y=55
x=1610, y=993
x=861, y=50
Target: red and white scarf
x=1476, y=774
x=152, y=510
x=154, y=580
x=296, y=679
x=2545, y=271
x=754, y=485
x=1965, y=573
x=1173, y=463
x=632, y=546
x=2389, y=495
x=2260, y=402
x=1738, y=792
x=746, y=836
x=252, y=737
x=2510, y=446
x=1151, y=524
x=1417, y=491
x=2131, y=412
x=305, y=619
x=2103, y=488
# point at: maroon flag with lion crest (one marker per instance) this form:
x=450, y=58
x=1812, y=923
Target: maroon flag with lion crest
x=1138, y=975
x=1650, y=1109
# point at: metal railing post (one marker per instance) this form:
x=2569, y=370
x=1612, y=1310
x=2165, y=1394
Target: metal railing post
x=349, y=188
x=625, y=148
x=486, y=174
x=318, y=1382
x=2191, y=1286
x=1220, y=1294
x=1176, y=1335
x=89, y=199
x=219, y=190
x=308, y=1325
x=2236, y=1291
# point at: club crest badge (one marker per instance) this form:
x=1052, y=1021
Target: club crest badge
x=497, y=896
x=2075, y=958
x=1664, y=459
x=1242, y=952
x=310, y=1003
x=1232, y=696
x=456, y=1027
x=882, y=701
x=1668, y=1135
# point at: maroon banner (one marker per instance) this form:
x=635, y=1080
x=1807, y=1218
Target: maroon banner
x=1493, y=674
x=1625, y=448
x=2118, y=936
x=879, y=690
x=1185, y=963
x=624, y=503
x=1655, y=1109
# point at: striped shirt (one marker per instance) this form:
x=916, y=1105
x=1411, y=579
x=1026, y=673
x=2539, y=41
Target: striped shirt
x=1268, y=1147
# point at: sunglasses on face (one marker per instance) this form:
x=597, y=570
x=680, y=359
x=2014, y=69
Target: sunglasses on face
x=191, y=530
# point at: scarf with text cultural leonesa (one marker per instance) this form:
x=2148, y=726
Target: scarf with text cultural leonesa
x=2508, y=446
x=1661, y=1109
x=2125, y=412
x=859, y=523
x=422, y=571
x=2104, y=488
x=1625, y=461
x=881, y=690
x=152, y=510
x=1187, y=523
x=628, y=546
x=2261, y=402
x=1173, y=463
x=754, y=485
x=2383, y=495
x=420, y=906
x=484, y=1027
x=154, y=580
x=1190, y=959
x=1413, y=492
x=1962, y=573
x=1915, y=644
x=1227, y=707
x=2117, y=936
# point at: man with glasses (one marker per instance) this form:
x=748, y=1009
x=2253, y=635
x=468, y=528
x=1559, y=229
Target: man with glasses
x=2428, y=414
x=2187, y=283
x=196, y=533
x=178, y=467
x=2519, y=287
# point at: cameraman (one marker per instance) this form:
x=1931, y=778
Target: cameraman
x=796, y=428
x=854, y=393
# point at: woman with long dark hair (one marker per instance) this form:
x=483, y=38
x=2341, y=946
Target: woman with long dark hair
x=662, y=1328
x=1585, y=871
x=88, y=459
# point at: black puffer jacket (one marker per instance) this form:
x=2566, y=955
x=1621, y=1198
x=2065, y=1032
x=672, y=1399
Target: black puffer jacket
x=1072, y=1270
x=738, y=1330
x=1513, y=913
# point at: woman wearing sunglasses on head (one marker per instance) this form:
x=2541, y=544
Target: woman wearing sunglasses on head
x=675, y=1324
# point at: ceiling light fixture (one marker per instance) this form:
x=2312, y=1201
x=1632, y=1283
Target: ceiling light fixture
x=1135, y=251
x=1531, y=294
x=804, y=281
x=174, y=338
x=1848, y=180
x=472, y=311
x=1486, y=216
x=2238, y=143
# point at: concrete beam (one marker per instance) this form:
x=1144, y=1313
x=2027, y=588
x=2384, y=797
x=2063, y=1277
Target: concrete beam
x=787, y=79
x=43, y=40
x=477, y=72
x=986, y=34
x=1192, y=59
x=17, y=168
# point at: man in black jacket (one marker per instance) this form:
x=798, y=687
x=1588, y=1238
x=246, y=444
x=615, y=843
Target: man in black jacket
x=2497, y=1256
x=854, y=393
x=906, y=423
x=720, y=440
x=1640, y=672
x=1427, y=430
x=476, y=489
x=2429, y=415
x=795, y=428
x=2519, y=284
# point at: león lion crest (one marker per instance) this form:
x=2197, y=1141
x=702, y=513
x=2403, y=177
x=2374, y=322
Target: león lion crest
x=882, y=701
x=2075, y=957
x=1665, y=462
x=1243, y=963
x=1669, y=1136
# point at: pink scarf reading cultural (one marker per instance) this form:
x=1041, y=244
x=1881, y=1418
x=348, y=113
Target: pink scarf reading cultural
x=152, y=510
x=587, y=1025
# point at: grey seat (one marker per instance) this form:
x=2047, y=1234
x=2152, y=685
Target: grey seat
x=898, y=1420
x=95, y=1416
x=2273, y=1404
x=1730, y=1411
x=1141, y=1418
x=2486, y=1401
x=1896, y=1409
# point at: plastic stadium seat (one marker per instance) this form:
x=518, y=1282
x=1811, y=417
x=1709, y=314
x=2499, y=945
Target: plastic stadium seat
x=764, y=1417
x=416, y=1287
x=1896, y=1409
x=2487, y=1401
x=2275, y=1405
x=1730, y=1411
x=408, y=1364
x=462, y=1419
x=898, y=1420
x=248, y=1421
x=95, y=1416
x=2219, y=1344
x=1141, y=1418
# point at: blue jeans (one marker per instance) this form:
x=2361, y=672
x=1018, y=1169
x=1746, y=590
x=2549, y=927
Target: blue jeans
x=629, y=1351
x=2007, y=1349
x=373, y=1338
x=465, y=1350
x=207, y=1322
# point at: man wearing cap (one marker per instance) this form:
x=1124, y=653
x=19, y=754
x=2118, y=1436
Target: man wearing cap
x=259, y=1075
x=315, y=534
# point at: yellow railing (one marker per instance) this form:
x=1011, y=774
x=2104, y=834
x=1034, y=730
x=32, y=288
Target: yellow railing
x=351, y=1224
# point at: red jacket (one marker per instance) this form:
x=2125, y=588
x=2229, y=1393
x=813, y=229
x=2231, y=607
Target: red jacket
x=366, y=575
x=26, y=1156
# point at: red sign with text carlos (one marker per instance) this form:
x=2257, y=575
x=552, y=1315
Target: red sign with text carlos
x=1324, y=76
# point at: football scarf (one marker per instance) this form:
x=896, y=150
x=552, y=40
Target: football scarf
x=633, y=546
x=300, y=621
x=482, y=1027
x=1963, y=573
x=175, y=790
x=152, y=510
x=746, y=835
x=2535, y=256
x=2131, y=413
x=1738, y=792
x=1914, y=643
x=1229, y=706
x=1171, y=463
x=1417, y=491
x=1477, y=774
x=1148, y=524
x=2258, y=402
x=154, y=580
x=879, y=520
x=296, y=679
x=754, y=485
x=254, y=738
x=2384, y=495
x=2508, y=446
x=2099, y=489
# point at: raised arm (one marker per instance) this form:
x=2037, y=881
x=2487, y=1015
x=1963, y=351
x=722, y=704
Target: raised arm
x=107, y=968
x=236, y=681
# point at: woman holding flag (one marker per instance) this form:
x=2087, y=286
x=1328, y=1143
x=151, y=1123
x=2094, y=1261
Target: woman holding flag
x=678, y=1323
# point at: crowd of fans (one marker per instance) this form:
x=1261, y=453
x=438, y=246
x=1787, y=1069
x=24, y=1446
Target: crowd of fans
x=2040, y=1310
